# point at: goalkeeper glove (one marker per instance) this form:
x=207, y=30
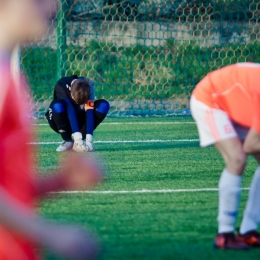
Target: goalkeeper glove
x=79, y=145
x=89, y=142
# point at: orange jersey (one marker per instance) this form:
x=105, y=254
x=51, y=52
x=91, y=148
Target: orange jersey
x=16, y=175
x=234, y=89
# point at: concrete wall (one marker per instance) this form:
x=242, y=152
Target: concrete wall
x=156, y=34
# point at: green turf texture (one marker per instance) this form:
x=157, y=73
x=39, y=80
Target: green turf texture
x=148, y=226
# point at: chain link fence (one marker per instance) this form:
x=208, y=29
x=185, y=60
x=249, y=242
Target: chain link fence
x=145, y=56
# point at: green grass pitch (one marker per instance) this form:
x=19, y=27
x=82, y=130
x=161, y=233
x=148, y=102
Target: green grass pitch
x=177, y=225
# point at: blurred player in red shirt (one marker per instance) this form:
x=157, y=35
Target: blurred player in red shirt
x=21, y=230
x=226, y=108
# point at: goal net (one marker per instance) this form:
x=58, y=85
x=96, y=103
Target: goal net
x=145, y=56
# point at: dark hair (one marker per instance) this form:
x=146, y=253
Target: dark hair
x=80, y=90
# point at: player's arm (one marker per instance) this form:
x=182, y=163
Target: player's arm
x=77, y=172
x=72, y=115
x=67, y=241
x=16, y=217
x=89, y=108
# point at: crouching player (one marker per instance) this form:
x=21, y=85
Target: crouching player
x=226, y=108
x=74, y=113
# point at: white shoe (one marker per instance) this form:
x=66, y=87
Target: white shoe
x=65, y=146
x=80, y=146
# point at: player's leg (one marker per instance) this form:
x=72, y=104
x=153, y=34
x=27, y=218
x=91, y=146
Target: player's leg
x=248, y=230
x=230, y=182
x=229, y=192
x=101, y=108
x=59, y=122
x=216, y=128
x=232, y=152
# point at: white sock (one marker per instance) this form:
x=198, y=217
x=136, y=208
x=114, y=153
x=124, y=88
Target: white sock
x=229, y=197
x=252, y=212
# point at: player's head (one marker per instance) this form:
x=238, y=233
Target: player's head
x=80, y=90
x=25, y=20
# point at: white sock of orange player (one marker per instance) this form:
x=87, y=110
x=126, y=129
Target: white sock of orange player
x=252, y=212
x=229, y=197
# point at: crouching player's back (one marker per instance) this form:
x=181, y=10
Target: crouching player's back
x=226, y=107
x=74, y=113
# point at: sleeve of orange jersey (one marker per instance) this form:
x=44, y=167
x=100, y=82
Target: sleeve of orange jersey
x=256, y=116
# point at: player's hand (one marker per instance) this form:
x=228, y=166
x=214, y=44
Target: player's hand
x=89, y=142
x=79, y=144
x=70, y=242
x=81, y=172
x=89, y=146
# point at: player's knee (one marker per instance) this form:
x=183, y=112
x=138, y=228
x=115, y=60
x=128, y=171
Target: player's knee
x=58, y=107
x=237, y=160
x=103, y=107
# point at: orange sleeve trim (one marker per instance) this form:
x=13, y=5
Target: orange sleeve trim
x=89, y=105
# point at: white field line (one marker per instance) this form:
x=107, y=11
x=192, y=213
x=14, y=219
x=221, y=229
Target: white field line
x=137, y=123
x=126, y=141
x=140, y=191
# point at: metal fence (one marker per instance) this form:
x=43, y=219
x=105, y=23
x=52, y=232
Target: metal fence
x=145, y=56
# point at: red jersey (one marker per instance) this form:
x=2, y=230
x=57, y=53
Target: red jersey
x=234, y=89
x=16, y=175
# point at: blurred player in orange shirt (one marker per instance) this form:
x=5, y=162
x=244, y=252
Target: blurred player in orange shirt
x=21, y=230
x=226, y=108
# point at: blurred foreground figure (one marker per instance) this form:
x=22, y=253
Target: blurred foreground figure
x=21, y=230
x=226, y=107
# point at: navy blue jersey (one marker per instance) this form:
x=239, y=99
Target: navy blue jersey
x=62, y=90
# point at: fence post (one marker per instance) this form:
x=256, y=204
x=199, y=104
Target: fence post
x=15, y=65
x=61, y=39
